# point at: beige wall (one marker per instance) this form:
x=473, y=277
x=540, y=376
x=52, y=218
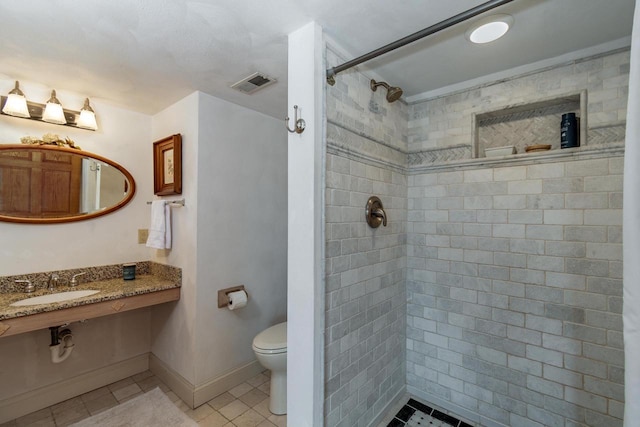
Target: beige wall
x=173, y=328
x=231, y=231
x=239, y=236
x=110, y=239
x=242, y=231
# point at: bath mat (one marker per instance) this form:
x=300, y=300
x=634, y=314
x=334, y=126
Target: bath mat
x=150, y=409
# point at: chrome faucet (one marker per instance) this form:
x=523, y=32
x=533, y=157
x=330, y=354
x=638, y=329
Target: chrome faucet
x=74, y=282
x=53, y=282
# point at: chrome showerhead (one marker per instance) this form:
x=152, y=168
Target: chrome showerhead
x=393, y=93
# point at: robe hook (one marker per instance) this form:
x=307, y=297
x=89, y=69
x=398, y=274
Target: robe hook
x=299, y=122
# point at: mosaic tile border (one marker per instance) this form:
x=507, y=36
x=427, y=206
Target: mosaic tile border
x=353, y=144
x=356, y=147
x=570, y=154
x=439, y=155
x=607, y=134
x=418, y=414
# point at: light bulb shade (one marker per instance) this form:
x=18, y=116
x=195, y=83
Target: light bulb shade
x=16, y=104
x=87, y=119
x=53, y=114
x=53, y=111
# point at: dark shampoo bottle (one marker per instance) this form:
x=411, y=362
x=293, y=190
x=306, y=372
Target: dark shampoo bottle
x=569, y=131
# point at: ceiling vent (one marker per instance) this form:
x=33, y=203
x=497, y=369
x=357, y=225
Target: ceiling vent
x=253, y=83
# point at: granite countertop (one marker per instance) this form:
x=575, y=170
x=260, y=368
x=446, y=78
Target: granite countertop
x=110, y=289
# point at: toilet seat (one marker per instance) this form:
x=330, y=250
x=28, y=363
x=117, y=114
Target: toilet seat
x=272, y=340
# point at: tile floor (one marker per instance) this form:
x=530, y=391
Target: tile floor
x=410, y=412
x=417, y=414
x=246, y=405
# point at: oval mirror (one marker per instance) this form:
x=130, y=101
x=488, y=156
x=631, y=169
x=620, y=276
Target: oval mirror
x=45, y=184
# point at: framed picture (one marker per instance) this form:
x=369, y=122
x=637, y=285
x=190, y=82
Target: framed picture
x=167, y=166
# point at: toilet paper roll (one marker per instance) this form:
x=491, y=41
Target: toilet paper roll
x=237, y=299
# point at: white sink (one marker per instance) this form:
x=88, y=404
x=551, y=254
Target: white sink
x=50, y=298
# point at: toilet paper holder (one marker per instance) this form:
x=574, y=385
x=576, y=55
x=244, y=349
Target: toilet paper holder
x=223, y=295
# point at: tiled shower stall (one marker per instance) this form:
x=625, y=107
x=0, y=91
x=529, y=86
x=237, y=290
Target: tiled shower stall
x=495, y=291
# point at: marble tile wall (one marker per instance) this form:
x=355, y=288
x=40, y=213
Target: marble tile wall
x=446, y=122
x=514, y=285
x=365, y=267
x=512, y=270
x=353, y=106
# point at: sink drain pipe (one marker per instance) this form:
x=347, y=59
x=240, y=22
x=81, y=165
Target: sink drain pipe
x=60, y=351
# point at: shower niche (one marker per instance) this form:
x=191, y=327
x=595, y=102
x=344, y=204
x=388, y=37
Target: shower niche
x=527, y=124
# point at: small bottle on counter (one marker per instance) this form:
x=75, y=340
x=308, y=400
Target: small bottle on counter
x=129, y=271
x=569, y=131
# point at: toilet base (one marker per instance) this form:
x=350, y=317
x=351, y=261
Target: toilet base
x=278, y=398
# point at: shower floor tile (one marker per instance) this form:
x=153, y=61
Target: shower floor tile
x=417, y=414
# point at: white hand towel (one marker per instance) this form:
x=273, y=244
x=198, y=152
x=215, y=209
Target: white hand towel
x=160, y=228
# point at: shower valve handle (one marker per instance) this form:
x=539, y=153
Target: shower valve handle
x=379, y=213
x=374, y=213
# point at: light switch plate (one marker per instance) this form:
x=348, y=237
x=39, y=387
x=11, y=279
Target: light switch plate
x=143, y=235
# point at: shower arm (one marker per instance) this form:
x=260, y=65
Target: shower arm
x=375, y=85
x=461, y=17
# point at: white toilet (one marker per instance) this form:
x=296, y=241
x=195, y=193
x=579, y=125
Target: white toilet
x=270, y=347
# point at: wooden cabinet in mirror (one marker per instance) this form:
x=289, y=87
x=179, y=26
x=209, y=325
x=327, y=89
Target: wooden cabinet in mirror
x=43, y=184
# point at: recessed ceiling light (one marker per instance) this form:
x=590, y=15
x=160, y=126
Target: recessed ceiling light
x=489, y=29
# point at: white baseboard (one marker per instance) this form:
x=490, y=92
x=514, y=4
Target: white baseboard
x=176, y=382
x=195, y=396
x=34, y=400
x=211, y=389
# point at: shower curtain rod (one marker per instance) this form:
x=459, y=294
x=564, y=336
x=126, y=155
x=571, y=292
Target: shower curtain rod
x=331, y=72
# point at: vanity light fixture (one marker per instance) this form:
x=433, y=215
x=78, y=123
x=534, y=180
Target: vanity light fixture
x=53, y=111
x=16, y=104
x=87, y=118
x=489, y=29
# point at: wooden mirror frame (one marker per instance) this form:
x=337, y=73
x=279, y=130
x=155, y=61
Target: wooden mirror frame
x=71, y=218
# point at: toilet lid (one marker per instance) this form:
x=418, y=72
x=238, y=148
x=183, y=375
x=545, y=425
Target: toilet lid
x=272, y=338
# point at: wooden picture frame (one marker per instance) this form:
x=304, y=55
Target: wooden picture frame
x=167, y=166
